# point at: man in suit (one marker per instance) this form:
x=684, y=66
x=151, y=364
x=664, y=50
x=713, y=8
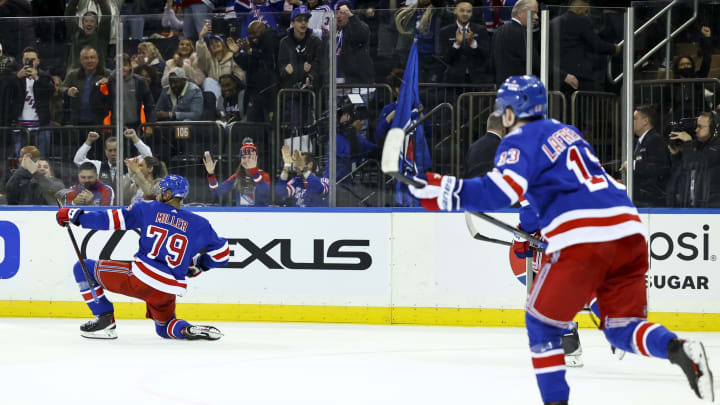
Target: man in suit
x=480, y=158
x=465, y=47
x=651, y=163
x=509, y=50
x=575, y=45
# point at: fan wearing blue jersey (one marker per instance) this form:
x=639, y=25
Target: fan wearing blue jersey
x=596, y=241
x=171, y=240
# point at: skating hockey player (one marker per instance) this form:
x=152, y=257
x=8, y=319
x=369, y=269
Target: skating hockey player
x=596, y=240
x=169, y=246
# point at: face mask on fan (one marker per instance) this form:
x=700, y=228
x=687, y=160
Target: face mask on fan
x=686, y=72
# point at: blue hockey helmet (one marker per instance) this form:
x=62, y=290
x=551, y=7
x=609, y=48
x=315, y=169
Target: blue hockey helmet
x=177, y=184
x=526, y=95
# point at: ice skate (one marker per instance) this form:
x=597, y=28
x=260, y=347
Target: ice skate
x=102, y=327
x=572, y=348
x=691, y=358
x=618, y=353
x=196, y=332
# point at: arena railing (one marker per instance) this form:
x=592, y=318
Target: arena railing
x=557, y=106
x=472, y=111
x=364, y=186
x=181, y=145
x=63, y=144
x=597, y=115
x=678, y=98
x=375, y=97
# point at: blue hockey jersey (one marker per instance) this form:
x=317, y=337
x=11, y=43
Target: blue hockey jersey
x=170, y=242
x=551, y=166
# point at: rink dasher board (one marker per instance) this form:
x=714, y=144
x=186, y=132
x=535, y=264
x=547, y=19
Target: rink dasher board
x=377, y=266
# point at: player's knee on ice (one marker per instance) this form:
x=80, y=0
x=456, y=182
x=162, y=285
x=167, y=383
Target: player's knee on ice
x=80, y=276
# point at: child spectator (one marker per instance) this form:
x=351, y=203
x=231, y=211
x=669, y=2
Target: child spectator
x=305, y=189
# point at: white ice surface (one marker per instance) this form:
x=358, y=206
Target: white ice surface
x=45, y=361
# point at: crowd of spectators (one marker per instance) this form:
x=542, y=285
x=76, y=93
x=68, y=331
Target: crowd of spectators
x=227, y=60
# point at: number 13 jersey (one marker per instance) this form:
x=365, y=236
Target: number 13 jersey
x=553, y=168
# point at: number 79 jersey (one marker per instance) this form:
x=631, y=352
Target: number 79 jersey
x=553, y=168
x=170, y=241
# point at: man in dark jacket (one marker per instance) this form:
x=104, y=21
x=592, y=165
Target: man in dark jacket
x=32, y=183
x=33, y=102
x=138, y=99
x=651, y=164
x=695, y=180
x=509, y=53
x=353, y=46
x=300, y=57
x=87, y=90
x=465, y=47
x=301, y=64
x=575, y=47
x=481, y=155
x=258, y=57
x=95, y=33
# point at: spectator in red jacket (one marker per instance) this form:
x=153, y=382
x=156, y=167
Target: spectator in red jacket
x=89, y=190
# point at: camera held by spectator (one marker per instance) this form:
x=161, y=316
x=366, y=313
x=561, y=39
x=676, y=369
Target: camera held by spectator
x=686, y=125
x=353, y=105
x=696, y=165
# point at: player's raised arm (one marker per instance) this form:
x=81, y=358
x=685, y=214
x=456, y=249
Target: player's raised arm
x=112, y=219
x=517, y=103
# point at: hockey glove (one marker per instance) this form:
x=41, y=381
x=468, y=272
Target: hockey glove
x=521, y=246
x=193, y=272
x=441, y=193
x=196, y=268
x=65, y=215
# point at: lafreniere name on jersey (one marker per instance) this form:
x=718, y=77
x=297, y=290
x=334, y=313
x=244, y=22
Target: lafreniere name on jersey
x=559, y=141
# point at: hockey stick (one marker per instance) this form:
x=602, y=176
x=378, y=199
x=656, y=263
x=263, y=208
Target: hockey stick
x=529, y=273
x=389, y=164
x=90, y=281
x=477, y=235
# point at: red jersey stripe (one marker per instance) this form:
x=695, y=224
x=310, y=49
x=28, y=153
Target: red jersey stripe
x=218, y=257
x=516, y=187
x=116, y=219
x=170, y=327
x=640, y=338
x=164, y=280
x=585, y=222
x=88, y=295
x=550, y=361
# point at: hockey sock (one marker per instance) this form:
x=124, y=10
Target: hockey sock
x=103, y=305
x=171, y=329
x=639, y=337
x=548, y=359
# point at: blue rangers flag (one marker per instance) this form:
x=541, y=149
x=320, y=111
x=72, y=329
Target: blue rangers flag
x=416, y=155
